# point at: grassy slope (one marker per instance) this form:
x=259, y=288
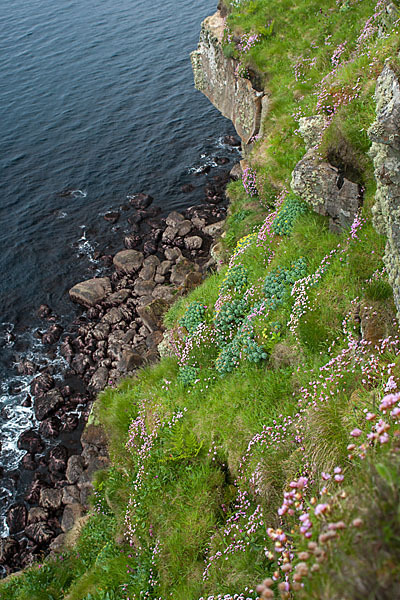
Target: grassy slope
x=204, y=467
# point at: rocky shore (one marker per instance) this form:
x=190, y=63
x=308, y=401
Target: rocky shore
x=118, y=331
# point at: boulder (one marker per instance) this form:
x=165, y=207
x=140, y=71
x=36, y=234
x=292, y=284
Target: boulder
x=91, y=292
x=112, y=316
x=99, y=379
x=71, y=494
x=164, y=292
x=140, y=201
x=118, y=297
x=129, y=360
x=50, y=427
x=41, y=384
x=172, y=254
x=8, y=548
x=37, y=514
x=169, y=234
x=144, y=288
x=164, y=267
x=58, y=459
x=94, y=435
x=45, y=405
x=215, y=229
x=193, y=242
x=16, y=518
x=41, y=533
x=128, y=261
x=75, y=468
x=50, y=498
x=180, y=270
x=30, y=441
x=52, y=335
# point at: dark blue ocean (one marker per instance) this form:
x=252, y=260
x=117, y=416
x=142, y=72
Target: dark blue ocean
x=96, y=101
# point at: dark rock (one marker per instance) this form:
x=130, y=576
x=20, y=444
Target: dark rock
x=107, y=260
x=41, y=384
x=154, y=338
x=52, y=335
x=50, y=427
x=221, y=160
x=45, y=405
x=80, y=363
x=8, y=549
x=71, y=494
x=30, y=441
x=144, y=288
x=16, y=518
x=132, y=241
x=44, y=311
x=33, y=493
x=172, y=254
x=58, y=459
x=28, y=462
x=70, y=422
x=112, y=217
x=26, y=367
x=170, y=234
x=67, y=351
x=231, y=140
x=91, y=292
x=50, y=498
x=27, y=403
x=118, y=297
x=140, y=201
x=40, y=533
x=86, y=492
x=150, y=247
x=101, y=331
x=129, y=361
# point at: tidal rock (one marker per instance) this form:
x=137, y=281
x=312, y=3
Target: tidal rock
x=112, y=216
x=44, y=311
x=174, y=219
x=58, y=459
x=40, y=533
x=129, y=360
x=140, y=201
x=16, y=518
x=231, y=140
x=28, y=462
x=45, y=405
x=128, y=261
x=69, y=423
x=172, y=254
x=132, y=241
x=41, y=384
x=71, y=494
x=180, y=270
x=215, y=229
x=50, y=498
x=52, y=335
x=91, y=292
x=187, y=188
x=67, y=351
x=150, y=247
x=26, y=367
x=169, y=234
x=30, y=441
x=50, y=427
x=33, y=493
x=72, y=513
x=144, y=288
x=8, y=549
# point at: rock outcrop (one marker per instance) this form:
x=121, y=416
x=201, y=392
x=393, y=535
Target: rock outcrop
x=385, y=152
x=215, y=75
x=320, y=184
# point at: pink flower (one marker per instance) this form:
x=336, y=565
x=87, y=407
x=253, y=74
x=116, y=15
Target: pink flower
x=320, y=509
x=356, y=432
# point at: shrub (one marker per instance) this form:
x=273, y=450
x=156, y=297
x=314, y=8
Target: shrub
x=193, y=316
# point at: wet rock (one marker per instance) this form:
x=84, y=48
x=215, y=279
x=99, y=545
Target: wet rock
x=152, y=314
x=30, y=441
x=194, y=242
x=28, y=462
x=8, y=549
x=26, y=367
x=128, y=261
x=236, y=172
x=40, y=533
x=231, y=140
x=58, y=459
x=33, y=493
x=52, y=335
x=37, y=514
x=67, y=351
x=99, y=379
x=45, y=405
x=41, y=384
x=27, y=403
x=112, y=217
x=140, y=201
x=132, y=241
x=101, y=331
x=75, y=468
x=72, y=513
x=91, y=292
x=80, y=363
x=17, y=516
x=85, y=493
x=150, y=247
x=164, y=292
x=118, y=297
x=70, y=422
x=221, y=160
x=180, y=270
x=58, y=543
x=50, y=427
x=50, y=498
x=44, y=311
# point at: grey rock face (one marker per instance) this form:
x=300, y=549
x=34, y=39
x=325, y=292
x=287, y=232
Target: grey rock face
x=321, y=185
x=385, y=152
x=128, y=261
x=215, y=76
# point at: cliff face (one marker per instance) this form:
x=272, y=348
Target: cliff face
x=214, y=75
x=385, y=151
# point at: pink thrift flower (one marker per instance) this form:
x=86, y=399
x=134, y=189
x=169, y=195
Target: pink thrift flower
x=356, y=432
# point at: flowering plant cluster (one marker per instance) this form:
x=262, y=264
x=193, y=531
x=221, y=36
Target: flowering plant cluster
x=284, y=221
x=278, y=282
x=249, y=180
x=194, y=315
